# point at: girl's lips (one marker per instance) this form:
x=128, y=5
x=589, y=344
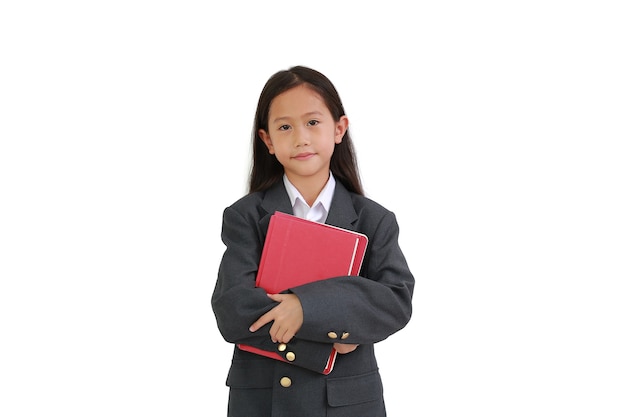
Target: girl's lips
x=303, y=156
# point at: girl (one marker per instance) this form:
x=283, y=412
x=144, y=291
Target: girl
x=304, y=164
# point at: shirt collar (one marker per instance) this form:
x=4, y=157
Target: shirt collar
x=324, y=198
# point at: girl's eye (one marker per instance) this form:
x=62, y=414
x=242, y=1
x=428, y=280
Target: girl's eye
x=313, y=122
x=284, y=127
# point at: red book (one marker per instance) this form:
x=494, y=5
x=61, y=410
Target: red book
x=299, y=251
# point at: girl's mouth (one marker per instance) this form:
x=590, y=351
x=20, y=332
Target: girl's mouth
x=303, y=156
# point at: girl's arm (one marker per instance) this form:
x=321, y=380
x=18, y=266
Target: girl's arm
x=364, y=309
x=237, y=303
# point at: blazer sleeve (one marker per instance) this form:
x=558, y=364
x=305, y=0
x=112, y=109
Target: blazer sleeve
x=237, y=302
x=365, y=309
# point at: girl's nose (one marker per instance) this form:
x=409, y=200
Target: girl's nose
x=302, y=138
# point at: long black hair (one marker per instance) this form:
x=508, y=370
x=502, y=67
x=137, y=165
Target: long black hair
x=266, y=170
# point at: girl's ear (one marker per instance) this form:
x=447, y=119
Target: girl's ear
x=265, y=137
x=340, y=128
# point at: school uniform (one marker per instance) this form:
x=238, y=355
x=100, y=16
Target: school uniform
x=357, y=310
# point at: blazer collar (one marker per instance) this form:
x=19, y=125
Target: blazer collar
x=341, y=214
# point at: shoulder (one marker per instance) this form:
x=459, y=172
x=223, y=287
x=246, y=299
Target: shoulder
x=247, y=209
x=258, y=205
x=365, y=204
x=356, y=209
x=372, y=215
x=247, y=201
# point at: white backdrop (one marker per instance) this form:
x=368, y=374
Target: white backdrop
x=494, y=130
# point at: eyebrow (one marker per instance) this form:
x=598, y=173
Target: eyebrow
x=309, y=114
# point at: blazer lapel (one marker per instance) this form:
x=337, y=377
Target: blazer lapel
x=275, y=199
x=342, y=213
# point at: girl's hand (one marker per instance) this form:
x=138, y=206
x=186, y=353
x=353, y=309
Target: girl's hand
x=344, y=348
x=287, y=317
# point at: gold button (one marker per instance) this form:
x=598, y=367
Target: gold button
x=345, y=335
x=290, y=356
x=282, y=347
x=285, y=382
x=332, y=335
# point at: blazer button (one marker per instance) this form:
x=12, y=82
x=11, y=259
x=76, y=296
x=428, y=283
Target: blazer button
x=285, y=382
x=290, y=356
x=345, y=335
x=332, y=335
x=282, y=347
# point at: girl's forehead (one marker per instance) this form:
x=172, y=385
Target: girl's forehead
x=299, y=91
x=298, y=99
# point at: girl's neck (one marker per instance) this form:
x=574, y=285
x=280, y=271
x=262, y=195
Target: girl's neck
x=309, y=187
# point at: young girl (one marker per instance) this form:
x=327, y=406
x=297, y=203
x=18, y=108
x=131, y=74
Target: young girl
x=304, y=164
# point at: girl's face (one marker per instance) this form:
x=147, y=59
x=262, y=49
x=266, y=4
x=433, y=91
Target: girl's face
x=302, y=134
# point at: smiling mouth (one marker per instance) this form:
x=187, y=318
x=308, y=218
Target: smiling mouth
x=303, y=156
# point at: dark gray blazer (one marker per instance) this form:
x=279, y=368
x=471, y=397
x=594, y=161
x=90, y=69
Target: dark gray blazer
x=361, y=310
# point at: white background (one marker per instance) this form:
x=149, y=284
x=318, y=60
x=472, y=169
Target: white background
x=494, y=130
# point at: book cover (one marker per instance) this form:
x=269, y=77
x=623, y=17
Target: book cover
x=299, y=251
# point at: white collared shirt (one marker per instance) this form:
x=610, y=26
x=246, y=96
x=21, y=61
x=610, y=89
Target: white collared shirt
x=318, y=212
